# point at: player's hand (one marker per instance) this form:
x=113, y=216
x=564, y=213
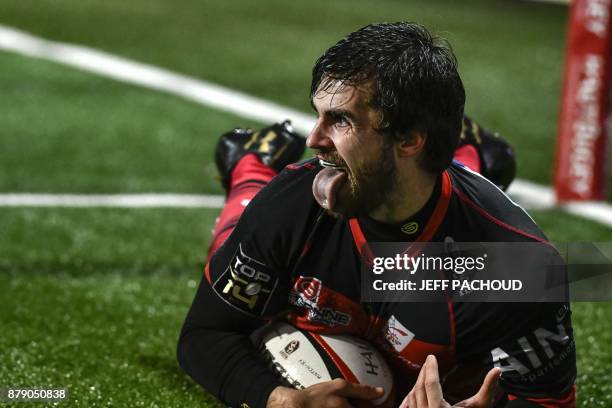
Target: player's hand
x=329, y=394
x=427, y=391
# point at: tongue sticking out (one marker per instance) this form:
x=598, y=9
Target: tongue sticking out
x=326, y=185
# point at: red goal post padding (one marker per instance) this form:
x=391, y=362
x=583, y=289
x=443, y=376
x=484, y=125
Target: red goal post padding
x=581, y=141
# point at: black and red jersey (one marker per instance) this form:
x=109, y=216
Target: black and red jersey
x=288, y=257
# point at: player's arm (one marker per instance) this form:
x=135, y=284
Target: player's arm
x=215, y=350
x=245, y=285
x=242, y=285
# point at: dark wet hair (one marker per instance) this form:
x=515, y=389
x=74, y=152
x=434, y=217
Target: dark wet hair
x=415, y=83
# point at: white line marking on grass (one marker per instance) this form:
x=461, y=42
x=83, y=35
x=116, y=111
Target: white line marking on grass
x=528, y=194
x=152, y=77
x=112, y=200
x=599, y=212
x=538, y=197
x=532, y=195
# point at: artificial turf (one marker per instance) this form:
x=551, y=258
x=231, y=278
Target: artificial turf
x=73, y=132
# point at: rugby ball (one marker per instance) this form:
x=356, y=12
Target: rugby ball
x=303, y=359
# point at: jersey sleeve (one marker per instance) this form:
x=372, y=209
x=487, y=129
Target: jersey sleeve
x=245, y=285
x=215, y=350
x=532, y=344
x=538, y=363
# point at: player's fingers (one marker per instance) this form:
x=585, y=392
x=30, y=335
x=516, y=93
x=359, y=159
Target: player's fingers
x=487, y=391
x=419, y=387
x=485, y=396
x=409, y=401
x=404, y=403
x=432, y=382
x=357, y=391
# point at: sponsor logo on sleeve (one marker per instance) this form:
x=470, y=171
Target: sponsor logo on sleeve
x=247, y=284
x=535, y=355
x=397, y=334
x=308, y=289
x=306, y=293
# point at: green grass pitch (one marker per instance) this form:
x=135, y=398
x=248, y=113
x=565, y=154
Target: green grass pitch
x=93, y=299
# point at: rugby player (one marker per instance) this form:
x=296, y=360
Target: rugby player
x=389, y=104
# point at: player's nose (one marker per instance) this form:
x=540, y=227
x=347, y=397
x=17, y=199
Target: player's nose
x=318, y=138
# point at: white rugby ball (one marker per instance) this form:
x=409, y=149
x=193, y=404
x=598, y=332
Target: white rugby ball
x=303, y=359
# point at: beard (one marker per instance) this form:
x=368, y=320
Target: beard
x=367, y=186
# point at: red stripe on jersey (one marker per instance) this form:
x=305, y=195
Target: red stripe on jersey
x=207, y=272
x=494, y=220
x=344, y=369
x=440, y=211
x=360, y=241
x=566, y=401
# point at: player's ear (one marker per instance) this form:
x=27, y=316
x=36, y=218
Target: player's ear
x=411, y=144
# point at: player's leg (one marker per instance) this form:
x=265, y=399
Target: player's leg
x=486, y=153
x=247, y=161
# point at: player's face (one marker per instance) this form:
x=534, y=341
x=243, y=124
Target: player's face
x=359, y=164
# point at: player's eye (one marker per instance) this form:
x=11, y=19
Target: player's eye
x=338, y=120
x=342, y=123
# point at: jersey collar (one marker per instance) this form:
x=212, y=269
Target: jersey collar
x=431, y=226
